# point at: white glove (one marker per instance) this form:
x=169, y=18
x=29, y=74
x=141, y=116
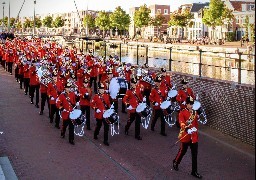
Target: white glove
x=184, y=103
x=98, y=111
x=156, y=104
x=86, y=94
x=144, y=99
x=77, y=104
x=52, y=98
x=197, y=97
x=190, y=131
x=130, y=107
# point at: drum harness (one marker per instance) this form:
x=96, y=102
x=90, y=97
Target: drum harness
x=112, y=125
x=144, y=120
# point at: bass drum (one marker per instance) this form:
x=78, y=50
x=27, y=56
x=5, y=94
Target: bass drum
x=118, y=87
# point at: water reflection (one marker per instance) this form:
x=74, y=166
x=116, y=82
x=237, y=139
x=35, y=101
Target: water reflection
x=214, y=65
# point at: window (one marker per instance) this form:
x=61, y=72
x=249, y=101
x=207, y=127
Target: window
x=158, y=11
x=165, y=11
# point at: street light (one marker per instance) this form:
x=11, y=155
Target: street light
x=34, y=27
x=3, y=16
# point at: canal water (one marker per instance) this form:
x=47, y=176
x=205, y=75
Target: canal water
x=214, y=65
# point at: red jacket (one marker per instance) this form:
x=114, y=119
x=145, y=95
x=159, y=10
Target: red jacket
x=133, y=98
x=34, y=80
x=85, y=99
x=184, y=116
x=26, y=71
x=62, y=102
x=52, y=93
x=102, y=103
x=156, y=97
x=182, y=96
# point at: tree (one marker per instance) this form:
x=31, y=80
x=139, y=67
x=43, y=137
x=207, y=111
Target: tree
x=142, y=17
x=89, y=20
x=158, y=21
x=12, y=21
x=47, y=21
x=120, y=19
x=246, y=26
x=28, y=23
x=38, y=22
x=181, y=19
x=18, y=25
x=58, y=22
x=103, y=21
x=5, y=21
x=216, y=14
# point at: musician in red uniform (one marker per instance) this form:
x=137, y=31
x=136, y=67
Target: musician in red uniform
x=43, y=91
x=65, y=103
x=156, y=98
x=26, y=78
x=100, y=103
x=132, y=99
x=182, y=95
x=34, y=84
x=52, y=96
x=166, y=79
x=85, y=97
x=188, y=136
x=20, y=73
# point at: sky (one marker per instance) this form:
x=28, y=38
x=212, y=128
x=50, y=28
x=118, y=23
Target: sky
x=55, y=6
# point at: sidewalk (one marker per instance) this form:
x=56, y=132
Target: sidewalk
x=36, y=150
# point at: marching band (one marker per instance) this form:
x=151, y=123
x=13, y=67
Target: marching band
x=72, y=84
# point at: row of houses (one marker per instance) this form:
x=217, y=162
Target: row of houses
x=196, y=30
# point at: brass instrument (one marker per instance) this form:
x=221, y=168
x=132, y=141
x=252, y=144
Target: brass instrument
x=188, y=123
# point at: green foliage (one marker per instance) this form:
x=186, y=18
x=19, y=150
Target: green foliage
x=90, y=20
x=252, y=27
x=180, y=19
x=103, y=21
x=120, y=19
x=158, y=21
x=18, y=25
x=28, y=23
x=231, y=36
x=58, y=22
x=38, y=22
x=217, y=14
x=142, y=16
x=12, y=21
x=48, y=21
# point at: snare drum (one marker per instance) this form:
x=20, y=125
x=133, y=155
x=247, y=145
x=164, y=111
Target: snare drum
x=118, y=87
x=172, y=94
x=196, y=105
x=77, y=117
x=143, y=109
x=111, y=116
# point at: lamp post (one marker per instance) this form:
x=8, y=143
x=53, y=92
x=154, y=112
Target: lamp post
x=34, y=25
x=3, y=15
x=9, y=16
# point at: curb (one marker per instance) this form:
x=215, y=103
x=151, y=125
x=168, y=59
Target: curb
x=7, y=170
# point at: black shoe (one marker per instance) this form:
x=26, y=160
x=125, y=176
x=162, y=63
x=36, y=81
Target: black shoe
x=26, y=93
x=175, y=165
x=195, y=174
x=31, y=102
x=62, y=135
x=139, y=138
x=163, y=134
x=37, y=106
x=57, y=126
x=95, y=137
x=51, y=121
x=106, y=143
x=126, y=131
x=72, y=142
x=41, y=113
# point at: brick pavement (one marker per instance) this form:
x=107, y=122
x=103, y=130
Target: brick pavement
x=36, y=150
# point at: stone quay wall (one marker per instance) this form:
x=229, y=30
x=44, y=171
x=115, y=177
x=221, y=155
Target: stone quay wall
x=229, y=106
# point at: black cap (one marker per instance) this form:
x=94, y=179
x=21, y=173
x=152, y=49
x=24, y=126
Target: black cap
x=158, y=78
x=189, y=100
x=101, y=86
x=146, y=65
x=184, y=81
x=163, y=69
x=134, y=81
